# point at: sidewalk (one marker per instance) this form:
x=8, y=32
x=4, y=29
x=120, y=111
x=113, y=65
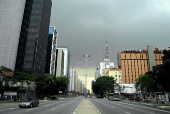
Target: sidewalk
x=86, y=107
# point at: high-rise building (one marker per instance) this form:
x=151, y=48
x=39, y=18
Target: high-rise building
x=135, y=63
x=33, y=39
x=51, y=51
x=11, y=15
x=81, y=80
x=62, y=62
x=85, y=76
x=72, y=79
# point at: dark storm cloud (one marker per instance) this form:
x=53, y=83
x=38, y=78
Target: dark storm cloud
x=84, y=25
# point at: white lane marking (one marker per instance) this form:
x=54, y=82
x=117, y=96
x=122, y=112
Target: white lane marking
x=27, y=110
x=133, y=108
x=146, y=107
x=36, y=108
x=113, y=107
x=48, y=105
x=8, y=109
x=59, y=106
x=41, y=106
x=12, y=108
x=44, y=106
x=152, y=113
x=74, y=112
x=127, y=112
x=98, y=111
x=100, y=102
x=126, y=106
x=3, y=110
x=31, y=109
x=53, y=109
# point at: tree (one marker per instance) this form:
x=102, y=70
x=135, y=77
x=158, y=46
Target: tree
x=158, y=79
x=162, y=77
x=146, y=83
x=103, y=85
x=62, y=83
x=161, y=73
x=46, y=85
x=166, y=56
x=4, y=69
x=50, y=85
x=1, y=88
x=42, y=85
x=23, y=76
x=5, y=76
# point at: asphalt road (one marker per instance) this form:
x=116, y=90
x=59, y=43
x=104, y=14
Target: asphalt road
x=115, y=107
x=68, y=106
x=64, y=106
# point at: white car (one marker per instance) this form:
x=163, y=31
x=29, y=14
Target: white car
x=29, y=103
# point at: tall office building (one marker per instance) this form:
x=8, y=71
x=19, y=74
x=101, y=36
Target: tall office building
x=135, y=63
x=11, y=15
x=72, y=79
x=85, y=76
x=33, y=39
x=62, y=63
x=51, y=51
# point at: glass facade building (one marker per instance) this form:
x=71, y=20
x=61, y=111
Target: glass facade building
x=51, y=51
x=33, y=39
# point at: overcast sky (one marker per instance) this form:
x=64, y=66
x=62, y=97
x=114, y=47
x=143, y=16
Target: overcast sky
x=84, y=25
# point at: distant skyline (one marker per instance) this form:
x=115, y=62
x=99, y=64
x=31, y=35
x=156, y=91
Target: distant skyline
x=85, y=25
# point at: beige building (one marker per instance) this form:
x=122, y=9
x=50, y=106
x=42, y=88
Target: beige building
x=116, y=73
x=84, y=78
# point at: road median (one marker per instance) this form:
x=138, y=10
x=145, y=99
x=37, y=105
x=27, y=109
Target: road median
x=86, y=107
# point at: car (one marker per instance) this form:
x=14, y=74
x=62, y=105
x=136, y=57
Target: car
x=112, y=98
x=29, y=103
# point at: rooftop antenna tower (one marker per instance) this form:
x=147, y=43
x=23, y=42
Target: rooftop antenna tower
x=107, y=53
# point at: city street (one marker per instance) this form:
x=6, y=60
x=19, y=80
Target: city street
x=84, y=57
x=63, y=106
x=81, y=105
x=115, y=107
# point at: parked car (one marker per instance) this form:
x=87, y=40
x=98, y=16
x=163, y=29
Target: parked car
x=29, y=103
